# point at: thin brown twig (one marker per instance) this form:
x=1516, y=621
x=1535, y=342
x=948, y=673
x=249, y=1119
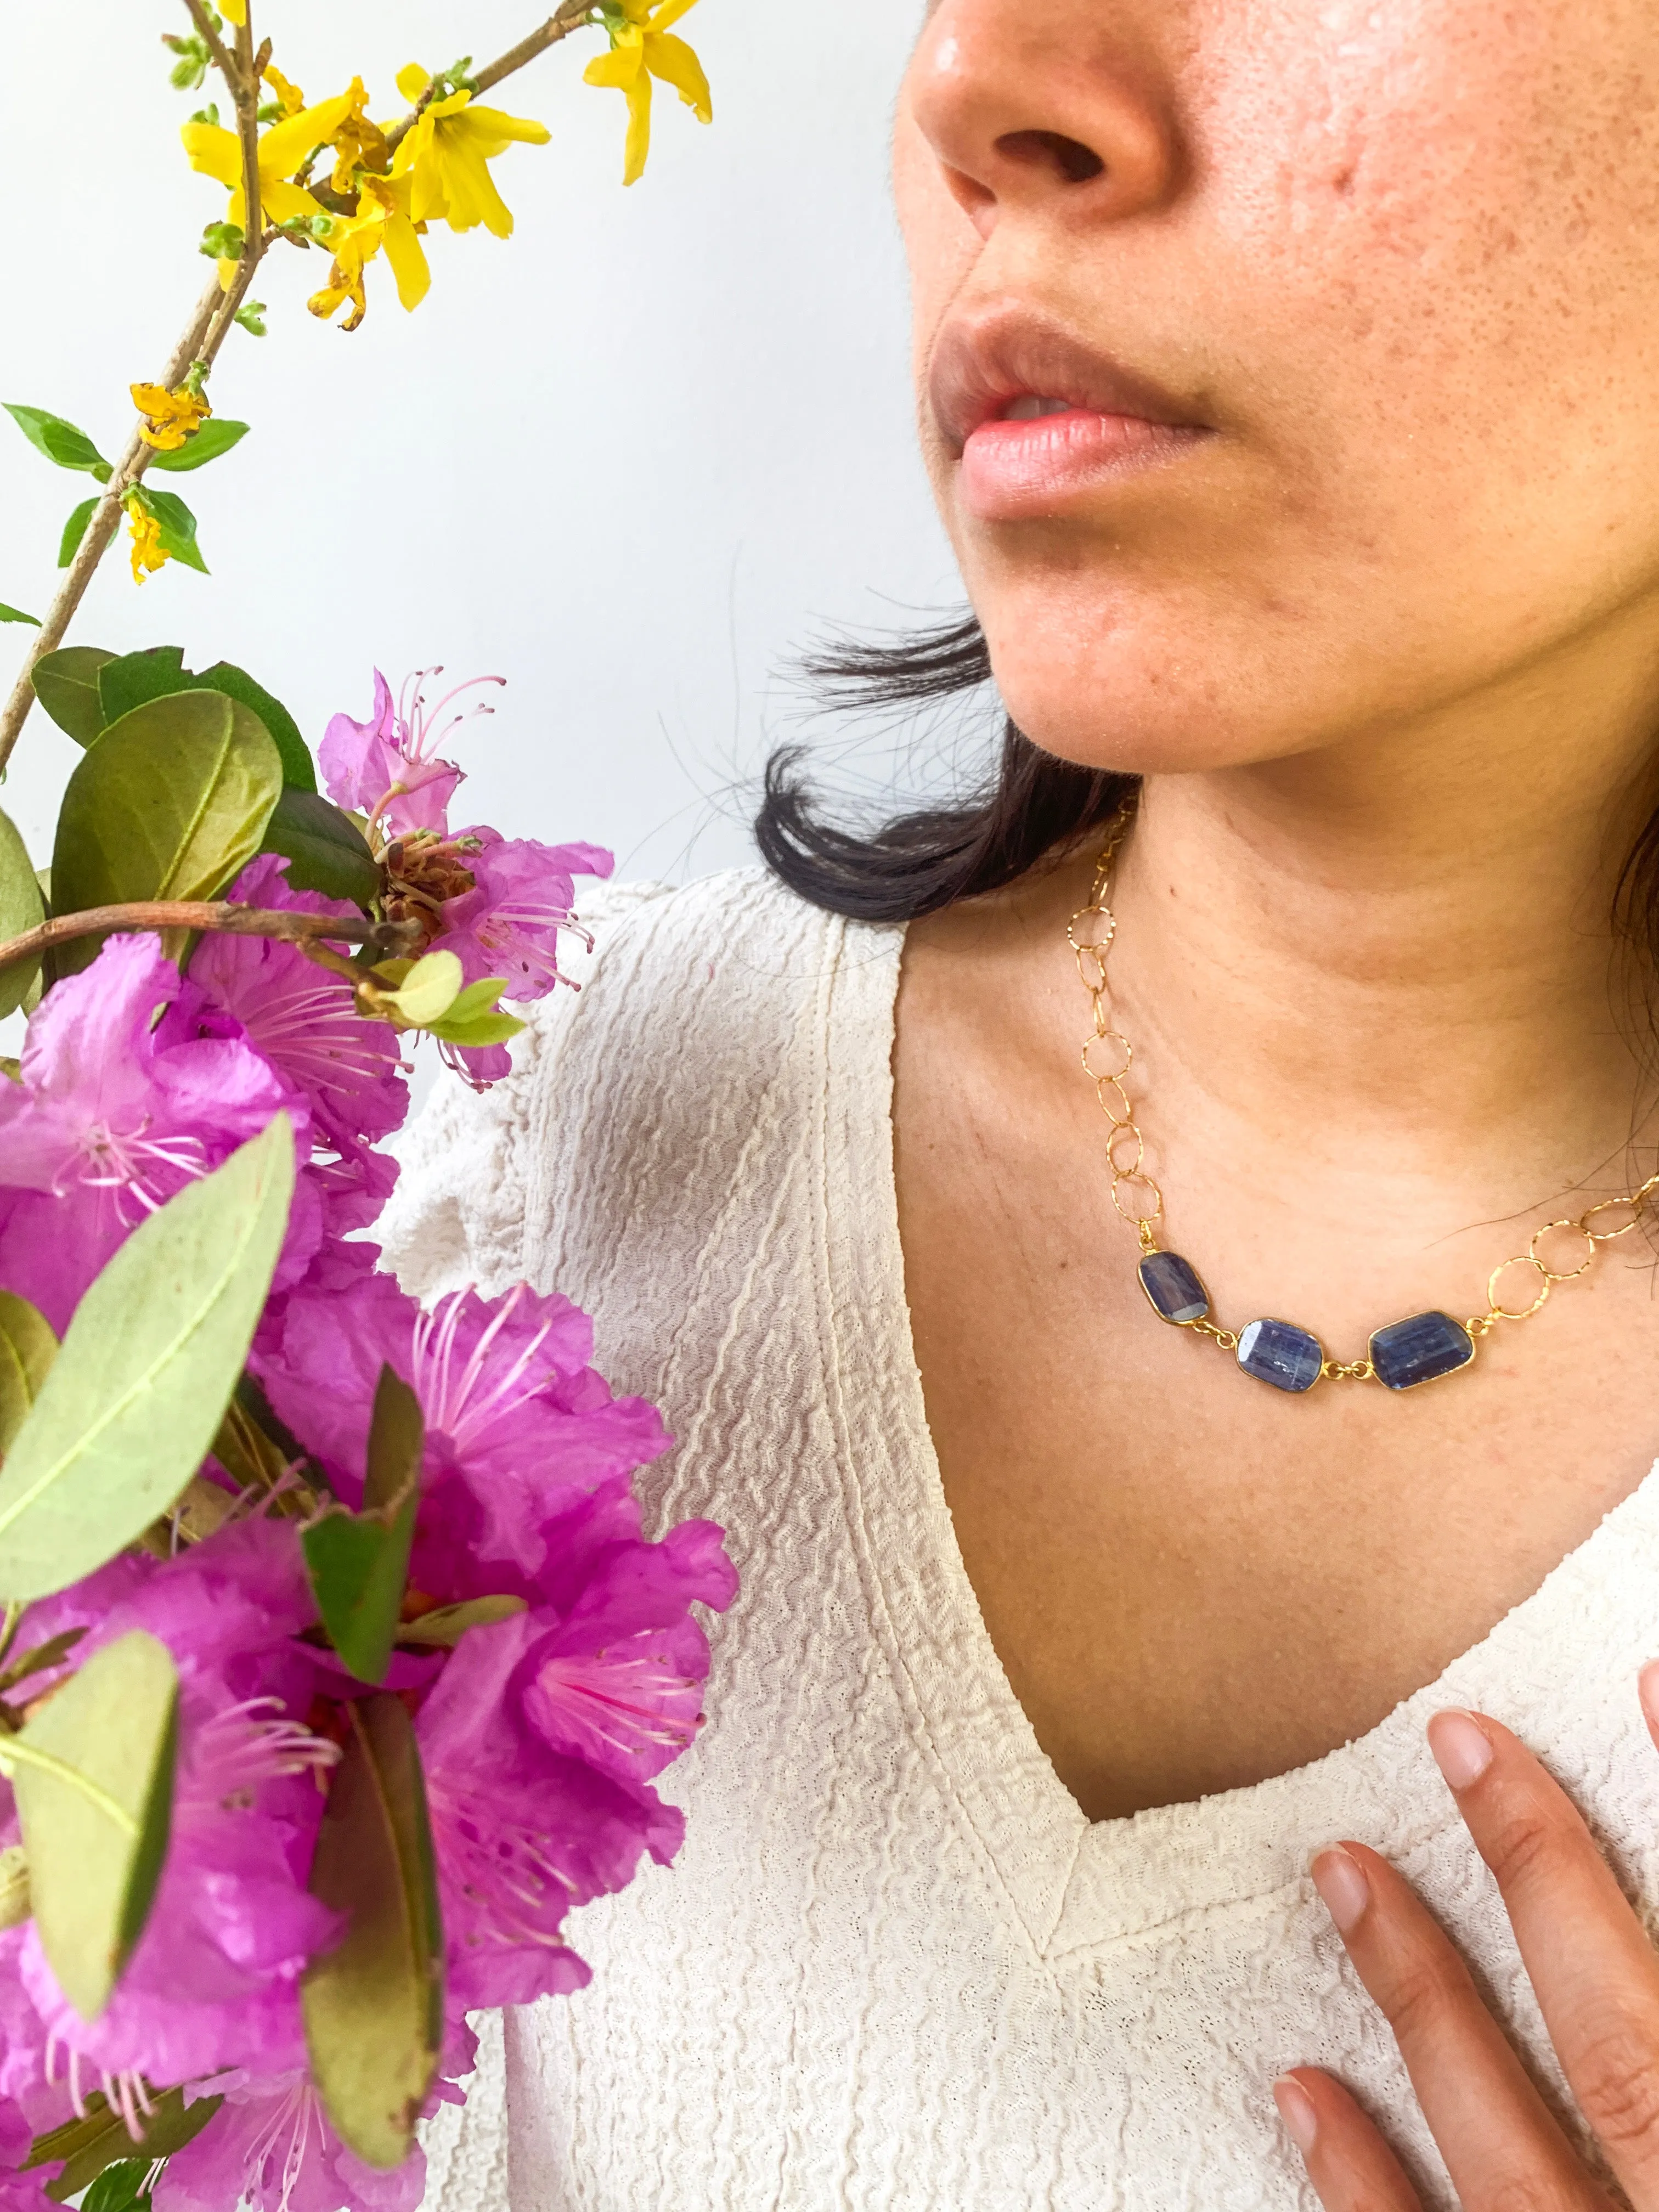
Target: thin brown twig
x=570, y=16
x=210, y=38
x=231, y=920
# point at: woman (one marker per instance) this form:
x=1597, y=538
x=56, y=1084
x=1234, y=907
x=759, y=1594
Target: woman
x=1287, y=378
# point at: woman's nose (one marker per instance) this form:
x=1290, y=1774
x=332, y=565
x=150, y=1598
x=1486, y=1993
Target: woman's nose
x=1044, y=106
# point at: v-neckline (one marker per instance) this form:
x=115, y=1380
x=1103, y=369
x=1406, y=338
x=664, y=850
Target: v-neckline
x=1073, y=1884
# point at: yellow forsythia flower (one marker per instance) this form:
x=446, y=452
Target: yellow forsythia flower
x=217, y=153
x=446, y=157
x=148, y=553
x=381, y=220
x=358, y=143
x=642, y=49
x=235, y=12
x=289, y=98
x=169, y=416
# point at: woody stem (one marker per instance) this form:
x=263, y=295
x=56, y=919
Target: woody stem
x=292, y=927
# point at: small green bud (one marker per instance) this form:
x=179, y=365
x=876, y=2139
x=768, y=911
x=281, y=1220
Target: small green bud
x=269, y=111
x=223, y=241
x=208, y=114
x=251, y=315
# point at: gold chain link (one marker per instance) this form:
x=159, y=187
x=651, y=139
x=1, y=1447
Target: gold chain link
x=1108, y=1057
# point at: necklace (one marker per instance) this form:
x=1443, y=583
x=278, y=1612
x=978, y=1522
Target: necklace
x=1400, y=1356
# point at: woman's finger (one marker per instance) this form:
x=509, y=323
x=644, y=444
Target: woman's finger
x=1500, y=2144
x=1347, y=2160
x=1594, y=1971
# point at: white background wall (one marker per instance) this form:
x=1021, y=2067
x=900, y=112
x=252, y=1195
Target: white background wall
x=627, y=459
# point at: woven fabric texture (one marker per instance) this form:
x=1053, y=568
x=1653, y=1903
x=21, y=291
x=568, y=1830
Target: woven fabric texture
x=895, y=1969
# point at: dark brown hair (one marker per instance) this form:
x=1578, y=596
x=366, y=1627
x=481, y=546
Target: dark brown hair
x=916, y=862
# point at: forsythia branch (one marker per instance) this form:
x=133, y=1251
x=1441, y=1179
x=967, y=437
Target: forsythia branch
x=569, y=17
x=292, y=928
x=216, y=311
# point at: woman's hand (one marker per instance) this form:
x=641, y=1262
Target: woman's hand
x=1594, y=1972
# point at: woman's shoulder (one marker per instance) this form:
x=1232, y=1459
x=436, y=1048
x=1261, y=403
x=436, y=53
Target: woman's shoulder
x=664, y=1071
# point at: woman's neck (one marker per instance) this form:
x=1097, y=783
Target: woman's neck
x=1402, y=949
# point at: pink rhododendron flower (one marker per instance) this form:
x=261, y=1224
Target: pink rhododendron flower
x=519, y=1424
x=111, y=1116
x=508, y=924
x=298, y=1016
x=215, y=1979
x=270, y=2146
x=388, y=766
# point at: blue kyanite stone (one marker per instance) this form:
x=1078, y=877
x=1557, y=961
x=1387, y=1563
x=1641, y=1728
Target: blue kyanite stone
x=1407, y=1352
x=1173, y=1286
x=1277, y=1351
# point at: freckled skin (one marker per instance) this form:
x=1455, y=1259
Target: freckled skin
x=1403, y=256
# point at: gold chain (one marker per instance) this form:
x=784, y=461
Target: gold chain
x=1138, y=1200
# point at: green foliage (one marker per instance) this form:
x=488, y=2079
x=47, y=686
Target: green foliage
x=146, y=1370
x=250, y=317
x=158, y=673
x=60, y=441
x=359, y=1562
x=177, y=524
x=74, y=531
x=92, y=2146
x=21, y=909
x=93, y=1775
x=28, y=1348
x=133, y=678
x=474, y=1019
x=216, y=436
x=171, y=803
x=374, y=2005
x=442, y=1629
x=119, y=2188
x=325, y=849
x=421, y=991
x=16, y=615
x=66, y=684
x=221, y=241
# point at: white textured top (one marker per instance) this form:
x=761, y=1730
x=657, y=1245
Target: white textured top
x=895, y=1969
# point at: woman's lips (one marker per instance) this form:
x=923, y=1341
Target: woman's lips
x=1014, y=469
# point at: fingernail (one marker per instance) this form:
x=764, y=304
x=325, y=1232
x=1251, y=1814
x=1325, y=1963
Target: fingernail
x=1296, y=2109
x=1461, y=1748
x=1340, y=1880
x=1647, y=1684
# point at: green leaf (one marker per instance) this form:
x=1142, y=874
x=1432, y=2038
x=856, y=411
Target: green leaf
x=93, y=1777
x=21, y=909
x=298, y=769
x=28, y=1348
x=171, y=803
x=132, y=679
x=475, y=1018
x=14, y=1886
x=178, y=532
x=147, y=1369
x=91, y=2146
x=427, y=989
x=60, y=441
x=41, y=1658
x=119, y=2188
x=66, y=684
x=215, y=437
x=16, y=615
x=325, y=849
x=359, y=1562
x=443, y=1628
x=137, y=677
x=374, y=2005
x=74, y=531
